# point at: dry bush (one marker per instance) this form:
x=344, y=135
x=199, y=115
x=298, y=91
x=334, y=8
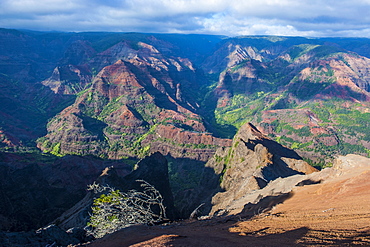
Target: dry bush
x=115, y=209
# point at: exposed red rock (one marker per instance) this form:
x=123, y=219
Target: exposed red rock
x=136, y=96
x=69, y=79
x=188, y=137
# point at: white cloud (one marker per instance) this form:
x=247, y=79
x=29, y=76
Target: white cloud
x=229, y=17
x=38, y=6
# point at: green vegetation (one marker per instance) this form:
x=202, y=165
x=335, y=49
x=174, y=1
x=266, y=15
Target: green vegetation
x=274, y=84
x=240, y=109
x=318, y=79
x=111, y=107
x=116, y=209
x=325, y=51
x=299, y=50
x=320, y=164
x=291, y=127
x=148, y=111
x=137, y=147
x=55, y=150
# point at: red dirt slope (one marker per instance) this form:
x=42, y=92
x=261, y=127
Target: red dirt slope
x=335, y=212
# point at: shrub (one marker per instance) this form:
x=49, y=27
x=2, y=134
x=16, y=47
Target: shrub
x=116, y=210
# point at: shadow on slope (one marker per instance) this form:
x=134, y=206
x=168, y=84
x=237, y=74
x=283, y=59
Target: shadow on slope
x=36, y=188
x=192, y=185
x=265, y=204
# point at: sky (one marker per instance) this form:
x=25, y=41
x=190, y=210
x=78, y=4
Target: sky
x=310, y=18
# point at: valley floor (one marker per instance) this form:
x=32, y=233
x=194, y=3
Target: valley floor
x=335, y=212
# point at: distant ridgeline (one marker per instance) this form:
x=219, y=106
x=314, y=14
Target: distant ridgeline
x=126, y=95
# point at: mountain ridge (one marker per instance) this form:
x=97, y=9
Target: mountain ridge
x=238, y=121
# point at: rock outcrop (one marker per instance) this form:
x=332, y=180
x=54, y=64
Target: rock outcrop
x=345, y=168
x=252, y=162
x=68, y=79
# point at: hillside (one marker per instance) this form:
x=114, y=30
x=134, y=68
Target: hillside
x=312, y=96
x=141, y=104
x=179, y=94
x=69, y=65
x=315, y=214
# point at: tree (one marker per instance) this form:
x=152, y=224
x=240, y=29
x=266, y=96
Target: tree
x=116, y=210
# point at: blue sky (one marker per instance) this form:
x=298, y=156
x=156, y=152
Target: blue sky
x=318, y=18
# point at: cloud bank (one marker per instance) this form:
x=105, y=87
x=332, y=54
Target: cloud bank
x=341, y=18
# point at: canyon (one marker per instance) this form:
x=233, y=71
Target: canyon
x=228, y=122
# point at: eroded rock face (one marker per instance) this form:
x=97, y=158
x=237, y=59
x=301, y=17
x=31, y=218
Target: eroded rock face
x=68, y=79
x=296, y=76
x=351, y=161
x=137, y=105
x=347, y=171
x=251, y=163
x=230, y=55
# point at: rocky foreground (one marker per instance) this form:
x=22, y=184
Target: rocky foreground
x=330, y=208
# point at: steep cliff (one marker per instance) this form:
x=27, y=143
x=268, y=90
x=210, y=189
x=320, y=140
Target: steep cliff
x=250, y=164
x=140, y=104
x=43, y=72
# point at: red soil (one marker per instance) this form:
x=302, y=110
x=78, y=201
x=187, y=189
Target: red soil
x=333, y=213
